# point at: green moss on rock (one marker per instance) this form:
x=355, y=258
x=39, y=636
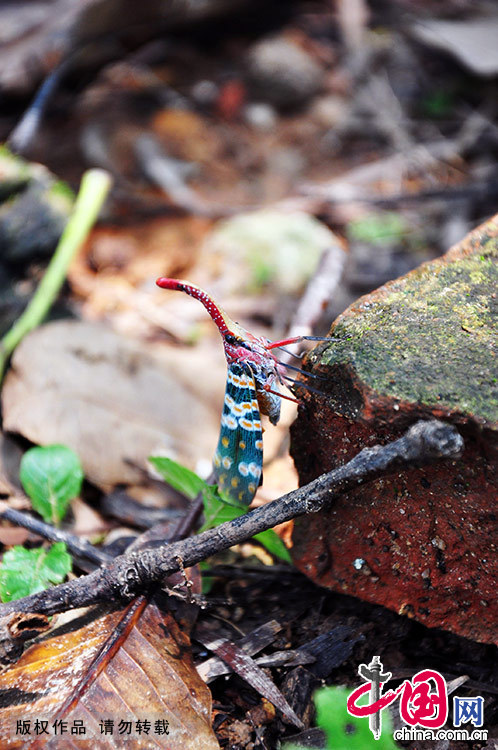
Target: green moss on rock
x=427, y=338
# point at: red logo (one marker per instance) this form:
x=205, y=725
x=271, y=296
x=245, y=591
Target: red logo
x=423, y=699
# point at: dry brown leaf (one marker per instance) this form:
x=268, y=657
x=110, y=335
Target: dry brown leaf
x=11, y=535
x=187, y=135
x=246, y=667
x=131, y=665
x=87, y=522
x=115, y=274
x=471, y=40
x=111, y=400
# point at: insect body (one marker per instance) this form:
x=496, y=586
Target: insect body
x=252, y=389
x=238, y=459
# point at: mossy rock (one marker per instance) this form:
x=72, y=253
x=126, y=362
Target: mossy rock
x=419, y=541
x=427, y=338
x=34, y=211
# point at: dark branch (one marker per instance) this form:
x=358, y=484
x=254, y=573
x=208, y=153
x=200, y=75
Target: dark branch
x=79, y=547
x=131, y=574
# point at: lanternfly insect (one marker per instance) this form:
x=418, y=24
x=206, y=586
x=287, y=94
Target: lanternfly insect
x=253, y=379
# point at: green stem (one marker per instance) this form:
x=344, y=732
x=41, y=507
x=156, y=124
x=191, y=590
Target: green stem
x=94, y=188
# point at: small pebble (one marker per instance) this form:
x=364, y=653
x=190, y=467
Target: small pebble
x=282, y=73
x=260, y=116
x=204, y=92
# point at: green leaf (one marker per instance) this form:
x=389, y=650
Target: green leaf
x=218, y=508
x=182, y=479
x=27, y=571
x=439, y=103
x=207, y=579
x=344, y=730
x=275, y=546
x=52, y=477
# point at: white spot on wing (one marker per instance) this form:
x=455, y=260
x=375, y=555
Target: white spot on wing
x=228, y=421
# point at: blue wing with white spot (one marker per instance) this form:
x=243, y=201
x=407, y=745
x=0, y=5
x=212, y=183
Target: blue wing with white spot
x=238, y=460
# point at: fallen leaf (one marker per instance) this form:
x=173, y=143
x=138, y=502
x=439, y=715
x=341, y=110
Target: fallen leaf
x=111, y=400
x=252, y=644
x=12, y=535
x=187, y=135
x=472, y=40
x=115, y=273
x=246, y=667
x=132, y=665
x=87, y=522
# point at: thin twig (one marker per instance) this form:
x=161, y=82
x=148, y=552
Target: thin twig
x=321, y=288
x=118, y=504
x=24, y=132
x=75, y=544
x=131, y=574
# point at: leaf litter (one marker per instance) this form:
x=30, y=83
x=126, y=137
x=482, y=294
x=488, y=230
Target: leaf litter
x=338, y=157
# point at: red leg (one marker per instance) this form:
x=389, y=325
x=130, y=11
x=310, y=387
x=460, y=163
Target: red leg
x=282, y=395
x=295, y=340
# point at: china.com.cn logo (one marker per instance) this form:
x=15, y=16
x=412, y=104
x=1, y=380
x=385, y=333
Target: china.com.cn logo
x=423, y=700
